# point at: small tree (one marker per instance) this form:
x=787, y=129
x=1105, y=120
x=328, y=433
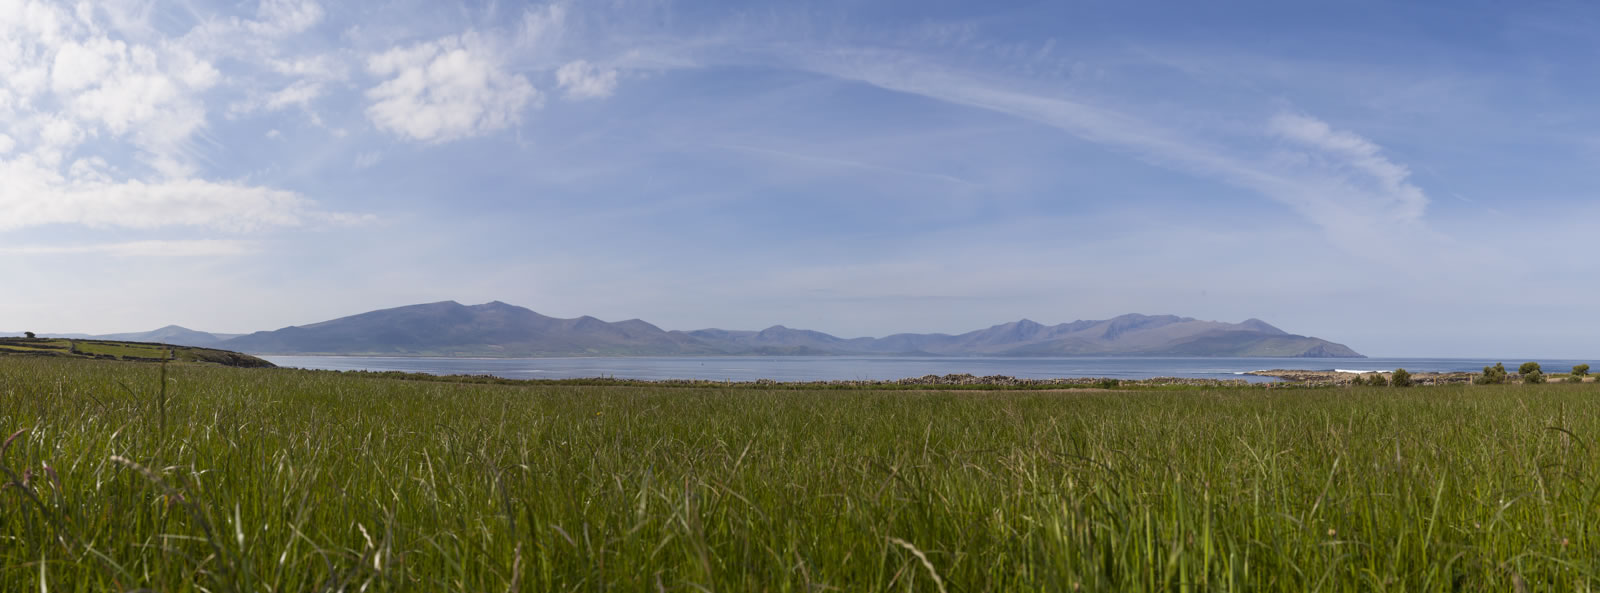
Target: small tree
x=1401, y=378
x=28, y=334
x=1529, y=367
x=1494, y=375
x=1579, y=371
x=1534, y=377
x=1377, y=380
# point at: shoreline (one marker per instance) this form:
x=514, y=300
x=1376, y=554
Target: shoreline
x=1338, y=377
x=958, y=380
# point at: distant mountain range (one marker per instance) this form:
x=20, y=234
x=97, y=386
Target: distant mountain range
x=172, y=334
x=498, y=329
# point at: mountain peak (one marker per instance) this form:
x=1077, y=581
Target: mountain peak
x=1261, y=326
x=1015, y=325
x=1169, y=318
x=434, y=306
x=495, y=305
x=1117, y=326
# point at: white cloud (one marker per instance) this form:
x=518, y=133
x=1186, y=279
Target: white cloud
x=65, y=81
x=36, y=196
x=542, y=28
x=153, y=248
x=197, y=74
x=583, y=80
x=265, y=42
x=276, y=18
x=452, y=88
x=73, y=95
x=311, y=67
x=300, y=93
x=1384, y=179
x=132, y=96
x=79, y=65
x=93, y=169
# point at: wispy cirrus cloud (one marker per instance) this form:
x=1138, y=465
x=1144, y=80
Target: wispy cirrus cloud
x=1337, y=179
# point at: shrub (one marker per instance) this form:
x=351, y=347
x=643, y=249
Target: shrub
x=28, y=334
x=1494, y=375
x=1377, y=380
x=1529, y=367
x=1401, y=378
x=1580, y=370
x=1534, y=377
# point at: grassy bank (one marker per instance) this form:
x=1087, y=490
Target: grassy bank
x=120, y=350
x=285, y=480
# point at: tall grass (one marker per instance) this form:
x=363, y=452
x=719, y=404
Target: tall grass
x=283, y=480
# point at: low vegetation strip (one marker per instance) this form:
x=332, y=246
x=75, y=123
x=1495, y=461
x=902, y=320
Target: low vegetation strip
x=939, y=382
x=287, y=480
x=130, y=351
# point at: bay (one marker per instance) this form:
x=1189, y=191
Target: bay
x=843, y=368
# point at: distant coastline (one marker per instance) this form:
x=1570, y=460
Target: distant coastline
x=757, y=355
x=887, y=368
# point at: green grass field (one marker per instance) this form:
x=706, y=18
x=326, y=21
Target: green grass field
x=85, y=347
x=284, y=480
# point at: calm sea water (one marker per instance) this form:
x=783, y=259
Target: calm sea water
x=830, y=368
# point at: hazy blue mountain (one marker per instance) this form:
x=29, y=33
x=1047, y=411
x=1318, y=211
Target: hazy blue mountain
x=451, y=329
x=172, y=334
x=775, y=340
x=1127, y=335
x=498, y=329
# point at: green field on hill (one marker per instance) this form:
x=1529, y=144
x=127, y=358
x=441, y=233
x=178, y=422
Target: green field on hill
x=119, y=350
x=227, y=479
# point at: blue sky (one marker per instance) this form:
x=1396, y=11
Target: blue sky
x=1411, y=180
